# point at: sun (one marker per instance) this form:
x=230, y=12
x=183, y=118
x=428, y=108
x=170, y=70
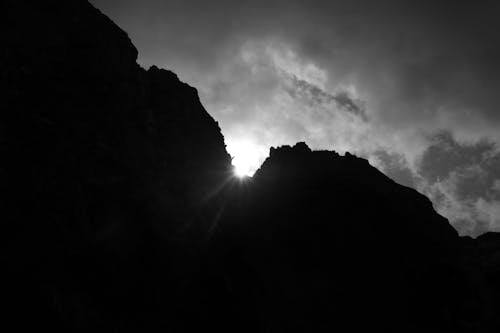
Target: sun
x=247, y=158
x=243, y=166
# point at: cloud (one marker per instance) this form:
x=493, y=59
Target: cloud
x=279, y=99
x=317, y=96
x=496, y=186
x=395, y=165
x=461, y=181
x=410, y=58
x=380, y=79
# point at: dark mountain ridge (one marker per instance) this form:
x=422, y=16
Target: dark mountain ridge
x=121, y=212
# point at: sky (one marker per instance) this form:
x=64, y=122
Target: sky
x=412, y=86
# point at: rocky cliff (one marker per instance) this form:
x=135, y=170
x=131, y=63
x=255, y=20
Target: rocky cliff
x=120, y=211
x=104, y=165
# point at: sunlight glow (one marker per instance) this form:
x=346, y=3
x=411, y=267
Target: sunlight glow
x=242, y=170
x=247, y=158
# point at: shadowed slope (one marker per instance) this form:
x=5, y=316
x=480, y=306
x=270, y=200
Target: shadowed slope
x=106, y=169
x=323, y=242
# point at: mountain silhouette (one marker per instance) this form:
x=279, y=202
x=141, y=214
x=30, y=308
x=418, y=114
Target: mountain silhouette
x=121, y=212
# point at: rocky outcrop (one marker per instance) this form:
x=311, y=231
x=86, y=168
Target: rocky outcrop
x=327, y=242
x=121, y=213
x=108, y=171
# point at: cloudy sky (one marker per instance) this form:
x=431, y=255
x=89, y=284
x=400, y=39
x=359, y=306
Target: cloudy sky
x=412, y=86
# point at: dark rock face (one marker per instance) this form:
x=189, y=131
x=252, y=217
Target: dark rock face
x=481, y=259
x=107, y=169
x=328, y=242
x=120, y=212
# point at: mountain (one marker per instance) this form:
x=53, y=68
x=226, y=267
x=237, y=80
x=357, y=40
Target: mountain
x=105, y=167
x=327, y=242
x=121, y=213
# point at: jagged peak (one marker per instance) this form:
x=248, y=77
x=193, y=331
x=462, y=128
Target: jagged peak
x=301, y=152
x=155, y=70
